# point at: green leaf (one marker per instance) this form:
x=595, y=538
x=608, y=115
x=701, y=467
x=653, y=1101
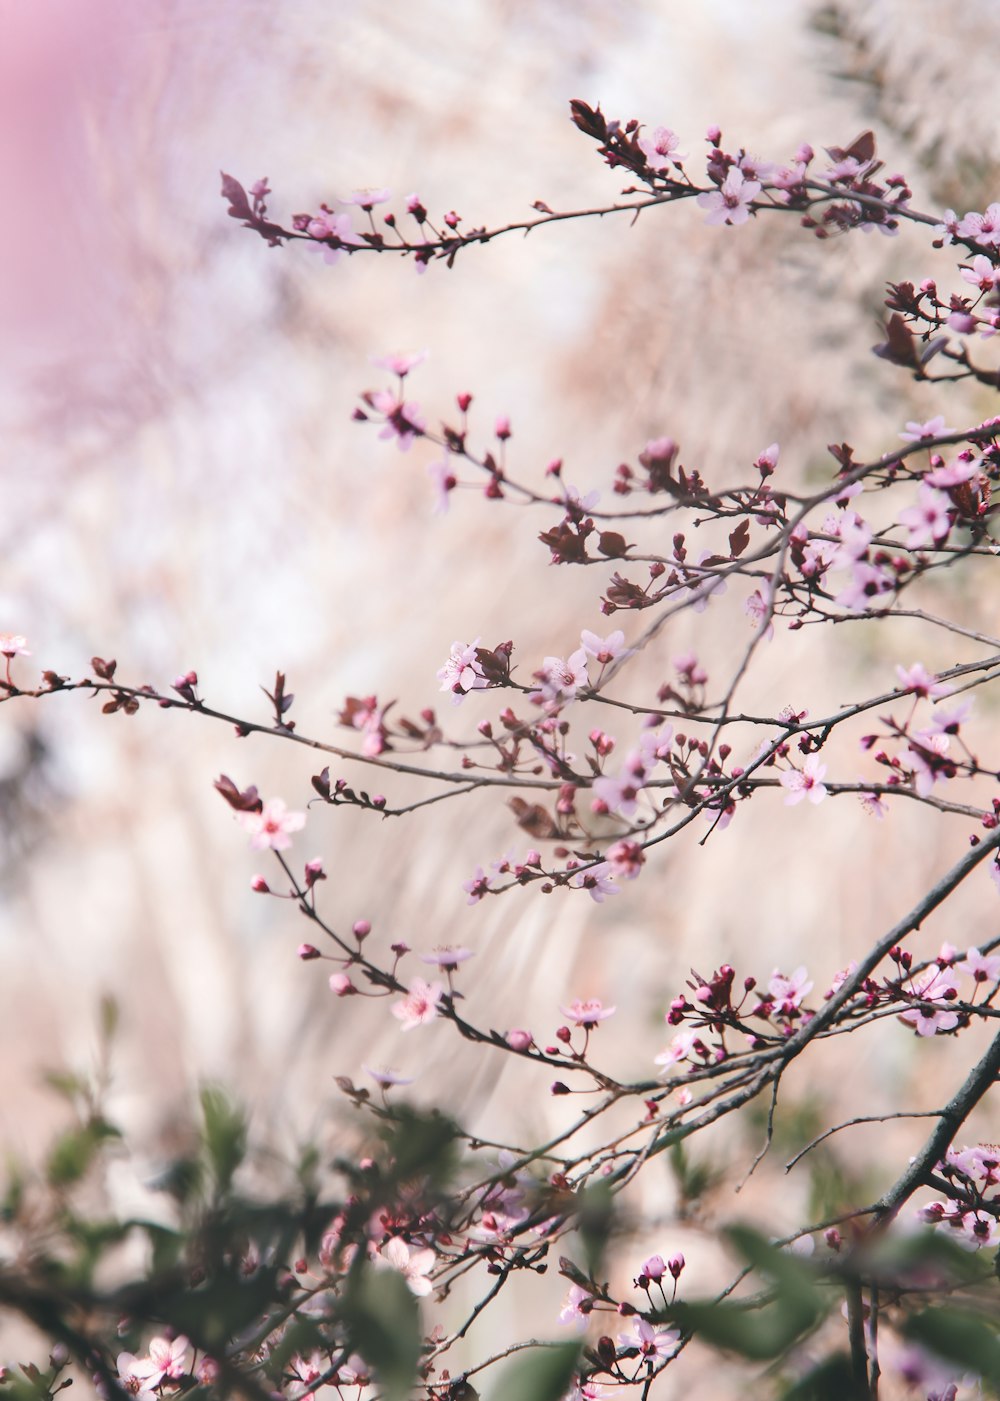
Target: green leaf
x=109, y=1018
x=383, y=1323
x=222, y=1307
x=72, y=1155
x=759, y=1329
x=546, y=1374
x=595, y=1215
x=959, y=1336
x=422, y=1145
x=832, y=1380
x=66, y=1083
x=225, y=1135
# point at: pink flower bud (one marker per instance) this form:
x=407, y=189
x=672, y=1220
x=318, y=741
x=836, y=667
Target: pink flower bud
x=308, y=951
x=675, y=1265
x=341, y=984
x=519, y=1040
x=503, y=427
x=260, y=885
x=558, y=1088
x=361, y=929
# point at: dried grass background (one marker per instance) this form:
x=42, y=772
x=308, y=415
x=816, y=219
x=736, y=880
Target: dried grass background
x=184, y=488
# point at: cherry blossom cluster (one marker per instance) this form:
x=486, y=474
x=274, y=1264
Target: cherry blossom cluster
x=597, y=769
x=970, y=1210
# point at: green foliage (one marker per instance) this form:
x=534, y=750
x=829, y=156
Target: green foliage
x=695, y=1177
x=74, y=1152
x=544, y=1375
x=383, y=1324
x=595, y=1218
x=421, y=1145
x=832, y=1380
x=758, y=1329
x=961, y=1336
x=225, y=1136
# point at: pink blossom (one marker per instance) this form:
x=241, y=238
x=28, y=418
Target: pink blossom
x=929, y=522
x=788, y=992
x=918, y=681
x=689, y=669
x=341, y=985
x=445, y=482
x=270, y=827
x=605, y=649
x=731, y=203
x=754, y=168
x=400, y=363
x=561, y=680
x=982, y=968
x=620, y=793
x=949, y=720
x=420, y=1004
x=446, y=957
x=936, y=988
x=576, y=504
x=414, y=1265
x=660, y=149
x=963, y=469
x=654, y=1268
x=462, y=672
x=869, y=582
x=933, y=428
x=367, y=199
x=518, y=1039
x=982, y=274
x=385, y=1078
x=587, y=1012
x=979, y=1229
x=598, y=881
x=13, y=644
x=135, y=1373
x=337, y=226
x=576, y=1307
x=855, y=536
x=841, y=977
x=653, y=1343
x=805, y=783
x=625, y=859
x=983, y=229
x=169, y=1358
x=874, y=805
x=947, y=230
x=757, y=610
x=768, y=459
x=679, y=1049
x=403, y=421
x=477, y=887
x=928, y=753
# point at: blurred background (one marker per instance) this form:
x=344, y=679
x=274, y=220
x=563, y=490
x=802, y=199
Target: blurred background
x=184, y=488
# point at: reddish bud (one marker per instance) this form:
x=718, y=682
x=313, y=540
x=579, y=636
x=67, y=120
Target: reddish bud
x=308, y=951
